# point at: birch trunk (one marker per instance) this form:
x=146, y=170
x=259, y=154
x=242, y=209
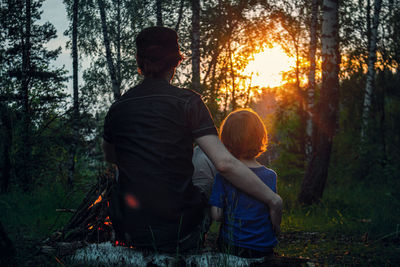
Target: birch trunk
x=371, y=70
x=311, y=81
x=196, y=45
x=315, y=178
x=110, y=63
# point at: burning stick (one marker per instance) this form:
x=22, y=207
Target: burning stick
x=90, y=221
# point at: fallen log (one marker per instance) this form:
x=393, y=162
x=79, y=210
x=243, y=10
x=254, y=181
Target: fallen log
x=108, y=254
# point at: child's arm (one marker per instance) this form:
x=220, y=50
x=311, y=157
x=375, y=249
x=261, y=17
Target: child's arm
x=216, y=213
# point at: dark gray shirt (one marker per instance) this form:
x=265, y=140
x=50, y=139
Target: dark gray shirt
x=153, y=127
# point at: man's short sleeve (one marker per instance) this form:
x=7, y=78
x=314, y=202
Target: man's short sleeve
x=107, y=133
x=217, y=195
x=198, y=115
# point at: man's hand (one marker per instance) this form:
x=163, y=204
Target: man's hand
x=275, y=210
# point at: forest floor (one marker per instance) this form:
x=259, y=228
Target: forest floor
x=352, y=226
x=334, y=249
x=323, y=249
x=340, y=249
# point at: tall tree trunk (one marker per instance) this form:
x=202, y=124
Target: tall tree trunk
x=75, y=92
x=233, y=78
x=313, y=184
x=159, y=12
x=368, y=18
x=311, y=80
x=180, y=14
x=211, y=66
x=247, y=103
x=26, y=65
x=6, y=144
x=119, y=60
x=196, y=45
x=110, y=63
x=371, y=70
x=301, y=100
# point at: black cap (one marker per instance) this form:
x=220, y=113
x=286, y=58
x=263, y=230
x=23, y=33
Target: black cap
x=157, y=36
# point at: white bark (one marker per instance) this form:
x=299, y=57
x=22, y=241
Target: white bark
x=110, y=62
x=371, y=69
x=313, y=184
x=311, y=80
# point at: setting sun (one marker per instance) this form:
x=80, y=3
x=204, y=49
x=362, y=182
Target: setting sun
x=267, y=67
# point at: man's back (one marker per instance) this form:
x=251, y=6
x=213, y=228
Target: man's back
x=153, y=127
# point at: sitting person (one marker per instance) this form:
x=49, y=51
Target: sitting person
x=203, y=173
x=246, y=228
x=149, y=134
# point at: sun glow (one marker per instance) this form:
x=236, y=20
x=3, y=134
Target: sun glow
x=268, y=66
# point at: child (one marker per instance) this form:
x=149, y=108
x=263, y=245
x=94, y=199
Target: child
x=246, y=228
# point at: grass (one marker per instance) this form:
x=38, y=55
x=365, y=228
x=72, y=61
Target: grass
x=355, y=223
x=29, y=218
x=354, y=209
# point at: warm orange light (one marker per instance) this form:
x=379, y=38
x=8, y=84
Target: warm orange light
x=131, y=201
x=107, y=221
x=98, y=200
x=268, y=66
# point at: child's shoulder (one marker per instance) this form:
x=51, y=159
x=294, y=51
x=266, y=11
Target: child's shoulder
x=262, y=170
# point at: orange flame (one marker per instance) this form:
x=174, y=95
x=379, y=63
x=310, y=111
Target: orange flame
x=107, y=221
x=99, y=199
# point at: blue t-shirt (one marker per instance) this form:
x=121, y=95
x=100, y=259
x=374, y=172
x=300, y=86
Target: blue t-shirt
x=246, y=221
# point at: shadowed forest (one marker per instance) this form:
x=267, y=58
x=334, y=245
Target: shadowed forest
x=333, y=120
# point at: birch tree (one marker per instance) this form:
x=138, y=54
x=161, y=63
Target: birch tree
x=311, y=80
x=371, y=69
x=313, y=184
x=110, y=62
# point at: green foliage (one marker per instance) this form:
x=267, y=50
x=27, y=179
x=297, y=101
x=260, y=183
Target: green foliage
x=33, y=215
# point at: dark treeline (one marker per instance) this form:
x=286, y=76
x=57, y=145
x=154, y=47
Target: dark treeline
x=336, y=117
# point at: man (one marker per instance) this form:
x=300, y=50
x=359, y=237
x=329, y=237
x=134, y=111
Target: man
x=149, y=134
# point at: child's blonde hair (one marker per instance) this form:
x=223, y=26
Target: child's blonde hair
x=244, y=134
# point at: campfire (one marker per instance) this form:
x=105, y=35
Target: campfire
x=90, y=222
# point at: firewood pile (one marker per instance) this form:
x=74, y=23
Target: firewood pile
x=90, y=222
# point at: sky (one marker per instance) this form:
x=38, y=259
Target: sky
x=54, y=12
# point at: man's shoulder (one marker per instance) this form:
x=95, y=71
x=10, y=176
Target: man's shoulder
x=146, y=89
